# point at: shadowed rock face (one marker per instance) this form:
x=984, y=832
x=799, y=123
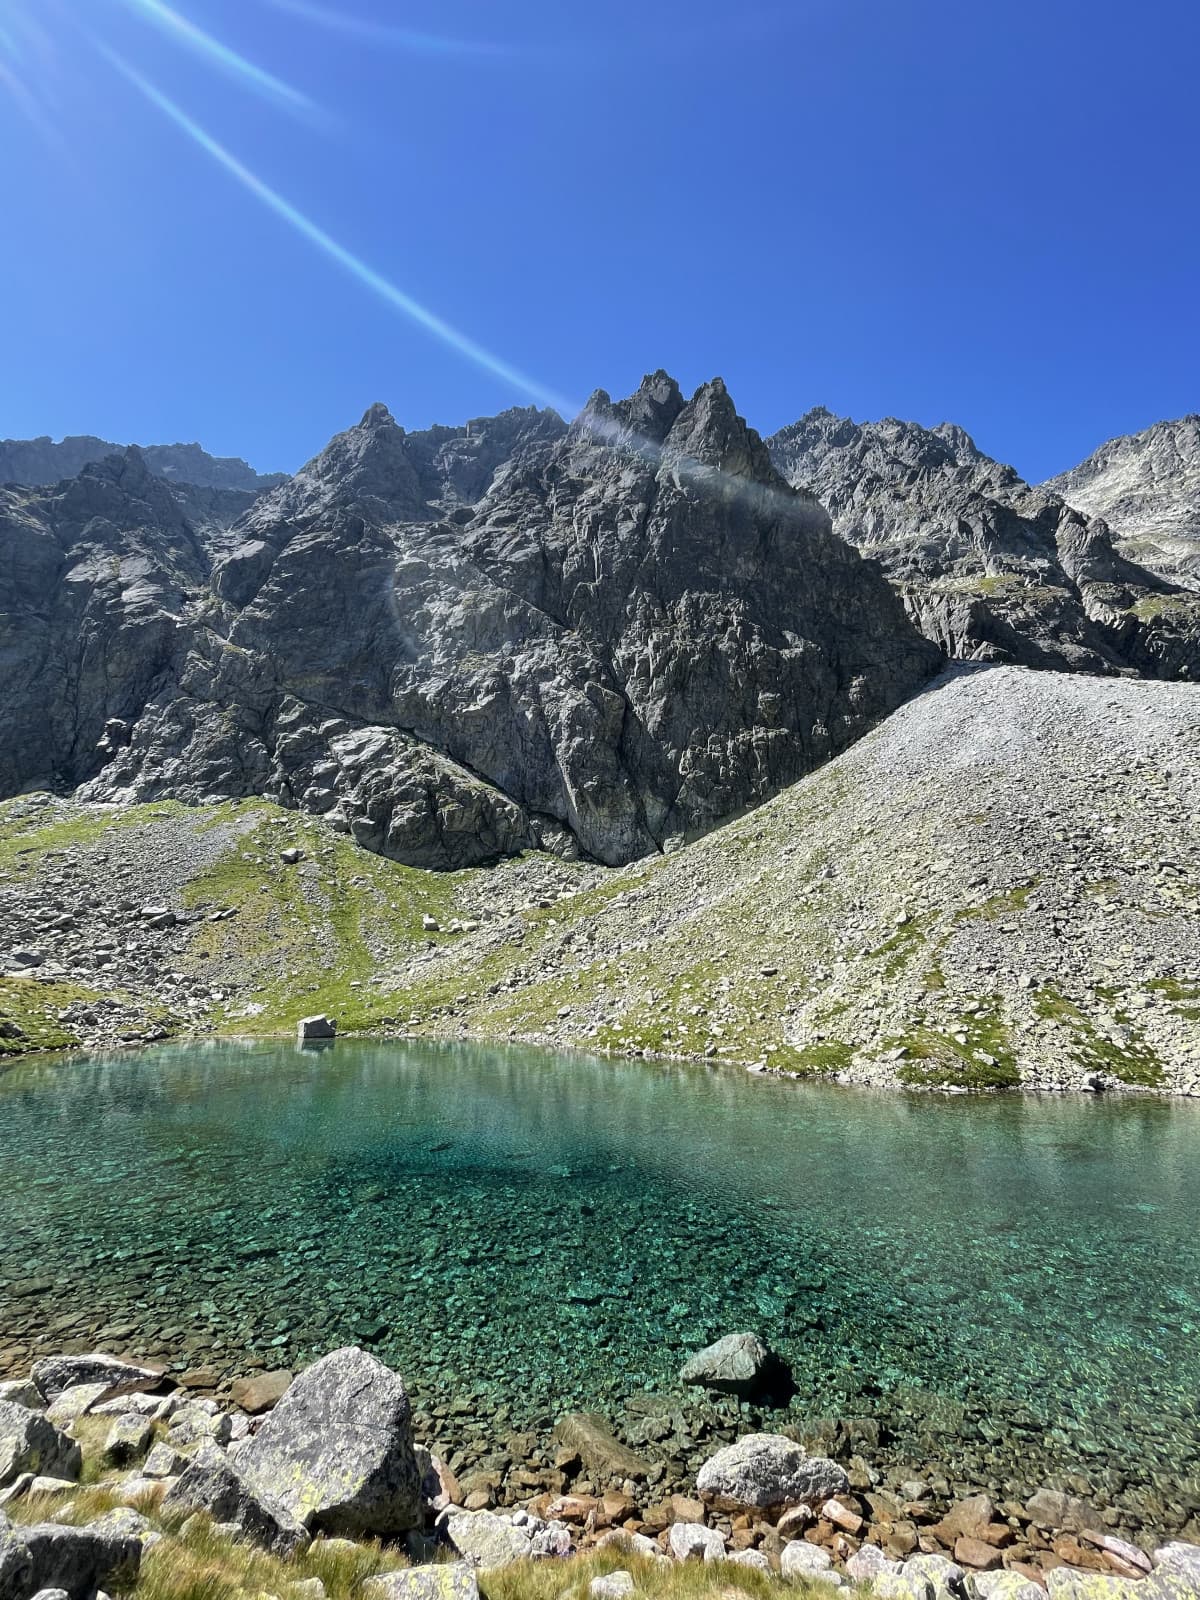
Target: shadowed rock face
x=459, y=643
x=988, y=567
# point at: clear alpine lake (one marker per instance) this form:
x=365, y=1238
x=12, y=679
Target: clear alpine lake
x=1010, y=1286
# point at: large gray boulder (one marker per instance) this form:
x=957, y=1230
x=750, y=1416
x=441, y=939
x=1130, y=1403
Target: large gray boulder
x=29, y=1442
x=79, y=1561
x=738, y=1364
x=218, y=1487
x=337, y=1451
x=54, y=1374
x=768, y=1469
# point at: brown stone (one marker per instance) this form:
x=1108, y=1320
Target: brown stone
x=572, y=1508
x=657, y=1518
x=617, y=1506
x=260, y=1393
x=998, y=1534
x=967, y=1519
x=840, y=1514
x=794, y=1521
x=684, y=1509
x=743, y=1538
x=1122, y=1568
x=199, y=1378
x=975, y=1553
x=901, y=1541
x=478, y=1500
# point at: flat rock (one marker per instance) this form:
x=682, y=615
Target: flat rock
x=259, y=1393
x=53, y=1374
x=767, y=1469
x=598, y=1447
x=337, y=1450
x=451, y=1580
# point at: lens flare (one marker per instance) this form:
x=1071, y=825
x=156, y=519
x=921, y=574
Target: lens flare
x=366, y=275
x=427, y=44
x=193, y=38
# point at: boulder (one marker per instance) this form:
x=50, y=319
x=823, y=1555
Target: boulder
x=22, y=1392
x=29, y=1442
x=750, y=1558
x=598, y=1447
x=1006, y=1586
x=739, y=1364
x=75, y=1402
x=337, y=1450
x=692, y=1541
x=164, y=1461
x=128, y=1437
x=453, y=1580
x=487, y=1541
x=128, y=1524
x=197, y=1420
x=636, y=1544
x=259, y=1393
x=1178, y=1557
x=321, y=1027
x=799, y=1559
x=867, y=1562
x=1069, y=1583
x=902, y=1585
x=53, y=1374
x=767, y=1469
x=218, y=1488
x=77, y=1560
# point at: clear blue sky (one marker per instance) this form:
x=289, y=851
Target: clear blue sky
x=983, y=210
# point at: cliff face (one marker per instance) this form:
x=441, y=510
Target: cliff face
x=988, y=567
x=44, y=461
x=1146, y=486
x=458, y=643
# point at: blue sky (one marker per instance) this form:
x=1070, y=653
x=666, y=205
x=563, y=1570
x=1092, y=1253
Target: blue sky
x=983, y=211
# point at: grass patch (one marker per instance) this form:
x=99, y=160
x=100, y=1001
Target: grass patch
x=658, y=1580
x=1132, y=1060
x=975, y=1052
x=998, y=905
x=33, y=1007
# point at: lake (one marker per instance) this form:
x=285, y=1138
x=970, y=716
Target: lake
x=1010, y=1286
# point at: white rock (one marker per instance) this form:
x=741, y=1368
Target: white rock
x=692, y=1541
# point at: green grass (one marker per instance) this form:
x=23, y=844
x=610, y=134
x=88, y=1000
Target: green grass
x=310, y=932
x=951, y=1058
x=1133, y=1062
x=999, y=905
x=34, y=1006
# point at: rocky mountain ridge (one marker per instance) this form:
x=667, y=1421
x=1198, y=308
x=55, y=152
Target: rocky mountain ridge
x=635, y=630
x=988, y=567
x=45, y=461
x=1146, y=486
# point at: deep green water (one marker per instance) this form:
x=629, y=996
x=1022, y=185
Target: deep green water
x=1012, y=1284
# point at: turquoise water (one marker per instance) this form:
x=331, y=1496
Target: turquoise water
x=1009, y=1286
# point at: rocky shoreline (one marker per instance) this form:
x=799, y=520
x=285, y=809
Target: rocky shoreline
x=338, y=1454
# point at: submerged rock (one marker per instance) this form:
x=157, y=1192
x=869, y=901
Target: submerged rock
x=337, y=1450
x=739, y=1364
x=600, y=1450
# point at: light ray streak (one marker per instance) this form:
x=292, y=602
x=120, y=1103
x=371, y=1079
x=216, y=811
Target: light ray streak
x=366, y=275
x=194, y=38
x=430, y=44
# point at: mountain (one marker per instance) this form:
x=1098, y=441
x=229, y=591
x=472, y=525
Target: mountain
x=456, y=644
x=988, y=567
x=43, y=461
x=998, y=884
x=1146, y=486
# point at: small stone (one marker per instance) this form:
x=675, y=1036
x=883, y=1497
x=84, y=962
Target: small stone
x=259, y=1393
x=692, y=1541
x=614, y=1586
x=800, y=1559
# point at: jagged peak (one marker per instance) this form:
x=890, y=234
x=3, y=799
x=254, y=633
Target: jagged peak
x=378, y=415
